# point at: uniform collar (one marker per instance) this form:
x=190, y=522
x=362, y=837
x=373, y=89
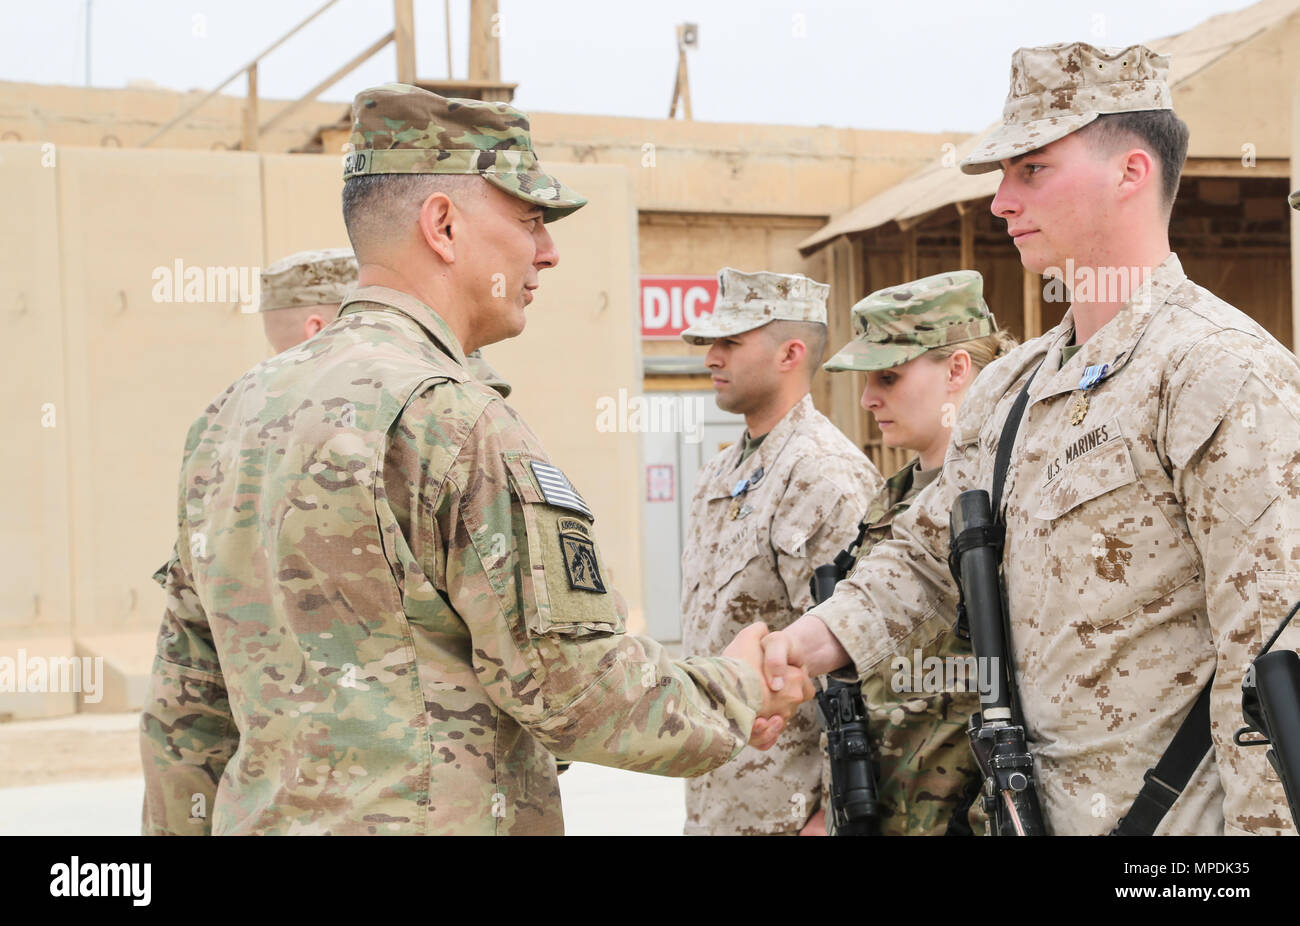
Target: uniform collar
x=881, y=511
x=1113, y=344
x=923, y=477
x=403, y=303
x=767, y=452
x=896, y=486
x=765, y=456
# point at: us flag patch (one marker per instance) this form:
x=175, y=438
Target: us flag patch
x=557, y=490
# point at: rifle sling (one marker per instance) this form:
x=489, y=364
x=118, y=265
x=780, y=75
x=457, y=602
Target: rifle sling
x=1162, y=785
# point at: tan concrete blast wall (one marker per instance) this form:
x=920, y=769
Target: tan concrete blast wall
x=302, y=204
x=582, y=343
x=104, y=376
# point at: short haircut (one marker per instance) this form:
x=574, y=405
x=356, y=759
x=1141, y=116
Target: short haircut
x=1159, y=131
x=813, y=335
x=375, y=205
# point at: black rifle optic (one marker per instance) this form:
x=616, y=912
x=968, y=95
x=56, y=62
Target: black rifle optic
x=854, y=806
x=1270, y=703
x=997, y=732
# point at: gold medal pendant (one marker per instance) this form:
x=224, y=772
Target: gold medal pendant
x=733, y=509
x=1080, y=409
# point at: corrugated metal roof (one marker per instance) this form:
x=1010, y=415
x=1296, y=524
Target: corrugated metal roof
x=941, y=183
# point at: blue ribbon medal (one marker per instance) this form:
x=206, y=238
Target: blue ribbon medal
x=1091, y=377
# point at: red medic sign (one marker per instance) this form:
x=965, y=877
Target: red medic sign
x=670, y=305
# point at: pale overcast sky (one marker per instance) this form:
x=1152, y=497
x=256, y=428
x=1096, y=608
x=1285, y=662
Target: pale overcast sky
x=925, y=65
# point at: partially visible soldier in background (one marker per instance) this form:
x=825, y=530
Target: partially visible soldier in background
x=921, y=345
x=302, y=293
x=387, y=607
x=766, y=511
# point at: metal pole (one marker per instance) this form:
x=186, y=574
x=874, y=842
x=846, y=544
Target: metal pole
x=88, y=3
x=446, y=9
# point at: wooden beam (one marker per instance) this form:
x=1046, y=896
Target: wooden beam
x=1232, y=167
x=446, y=15
x=1295, y=218
x=484, y=48
x=909, y=255
x=1033, y=294
x=221, y=86
x=404, y=37
x=843, y=276
x=682, y=85
x=325, y=84
x=967, y=236
x=912, y=221
x=248, y=141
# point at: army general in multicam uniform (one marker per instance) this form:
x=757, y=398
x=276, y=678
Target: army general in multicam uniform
x=920, y=345
x=1152, y=501
x=387, y=609
x=302, y=293
x=766, y=511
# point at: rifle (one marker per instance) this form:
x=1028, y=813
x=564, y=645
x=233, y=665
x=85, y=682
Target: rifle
x=1270, y=703
x=997, y=732
x=854, y=805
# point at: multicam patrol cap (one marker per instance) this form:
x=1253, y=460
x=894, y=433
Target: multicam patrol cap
x=751, y=300
x=1058, y=89
x=898, y=324
x=401, y=129
x=308, y=278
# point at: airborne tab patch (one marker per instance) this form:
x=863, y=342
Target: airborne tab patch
x=580, y=556
x=557, y=490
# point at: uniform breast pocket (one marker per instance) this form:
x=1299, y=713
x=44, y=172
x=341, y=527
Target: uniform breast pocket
x=562, y=575
x=1110, y=550
x=738, y=544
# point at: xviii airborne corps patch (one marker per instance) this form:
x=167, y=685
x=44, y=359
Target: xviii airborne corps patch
x=580, y=556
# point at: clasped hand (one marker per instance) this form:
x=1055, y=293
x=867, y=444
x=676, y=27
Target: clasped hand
x=783, y=690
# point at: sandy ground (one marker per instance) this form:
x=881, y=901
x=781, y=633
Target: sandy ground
x=73, y=748
x=80, y=776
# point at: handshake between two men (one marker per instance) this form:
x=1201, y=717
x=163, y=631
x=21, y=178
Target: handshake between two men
x=787, y=660
x=778, y=658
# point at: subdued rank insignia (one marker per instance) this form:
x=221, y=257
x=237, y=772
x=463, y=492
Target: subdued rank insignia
x=557, y=490
x=580, y=556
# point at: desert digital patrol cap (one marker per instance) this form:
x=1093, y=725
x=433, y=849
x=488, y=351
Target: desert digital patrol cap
x=401, y=129
x=751, y=300
x=308, y=278
x=1058, y=89
x=895, y=325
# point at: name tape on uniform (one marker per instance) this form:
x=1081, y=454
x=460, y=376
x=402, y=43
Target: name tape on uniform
x=557, y=490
